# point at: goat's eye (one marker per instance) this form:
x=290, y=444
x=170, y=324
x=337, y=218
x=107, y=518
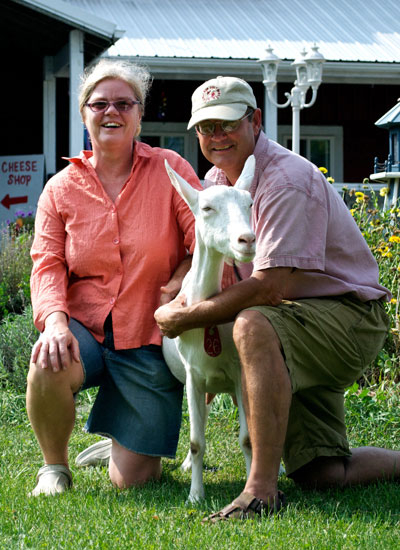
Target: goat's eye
x=207, y=208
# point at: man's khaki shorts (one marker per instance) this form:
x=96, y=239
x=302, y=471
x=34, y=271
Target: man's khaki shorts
x=327, y=344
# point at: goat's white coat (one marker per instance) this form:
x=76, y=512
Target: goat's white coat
x=222, y=230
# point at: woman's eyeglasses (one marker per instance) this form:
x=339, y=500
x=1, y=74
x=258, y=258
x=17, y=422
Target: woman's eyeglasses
x=122, y=106
x=207, y=128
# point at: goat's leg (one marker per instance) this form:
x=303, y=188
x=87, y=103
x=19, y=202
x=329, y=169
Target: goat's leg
x=244, y=439
x=187, y=463
x=197, y=416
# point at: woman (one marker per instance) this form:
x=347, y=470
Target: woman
x=110, y=232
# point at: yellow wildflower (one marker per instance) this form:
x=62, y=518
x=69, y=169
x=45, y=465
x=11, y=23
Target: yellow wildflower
x=385, y=252
x=394, y=239
x=360, y=197
x=352, y=211
x=393, y=301
x=329, y=179
x=384, y=191
x=323, y=169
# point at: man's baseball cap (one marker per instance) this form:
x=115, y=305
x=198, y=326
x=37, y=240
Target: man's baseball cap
x=221, y=98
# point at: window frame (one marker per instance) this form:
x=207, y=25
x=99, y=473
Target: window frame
x=174, y=129
x=334, y=134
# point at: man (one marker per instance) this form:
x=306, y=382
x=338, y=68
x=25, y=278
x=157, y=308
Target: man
x=308, y=320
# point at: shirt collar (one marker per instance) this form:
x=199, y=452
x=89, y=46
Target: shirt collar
x=80, y=159
x=140, y=150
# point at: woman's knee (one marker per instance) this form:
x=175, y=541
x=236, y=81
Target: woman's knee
x=129, y=469
x=39, y=377
x=44, y=380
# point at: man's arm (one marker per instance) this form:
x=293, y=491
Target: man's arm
x=264, y=287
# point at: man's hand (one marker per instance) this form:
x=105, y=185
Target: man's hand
x=170, y=317
x=264, y=287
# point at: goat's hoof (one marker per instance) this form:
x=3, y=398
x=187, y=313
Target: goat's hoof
x=195, y=499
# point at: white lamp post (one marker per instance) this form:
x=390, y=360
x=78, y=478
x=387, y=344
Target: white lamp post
x=308, y=72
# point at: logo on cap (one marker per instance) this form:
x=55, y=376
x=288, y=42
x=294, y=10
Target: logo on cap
x=211, y=93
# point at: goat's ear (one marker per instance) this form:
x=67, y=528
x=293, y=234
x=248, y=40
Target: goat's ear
x=247, y=175
x=186, y=191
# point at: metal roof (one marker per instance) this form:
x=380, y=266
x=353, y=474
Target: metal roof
x=356, y=31
x=391, y=118
x=32, y=29
x=74, y=16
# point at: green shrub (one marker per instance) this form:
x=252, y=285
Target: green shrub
x=17, y=336
x=380, y=229
x=15, y=270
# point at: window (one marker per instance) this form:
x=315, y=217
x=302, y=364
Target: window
x=395, y=147
x=322, y=145
x=171, y=135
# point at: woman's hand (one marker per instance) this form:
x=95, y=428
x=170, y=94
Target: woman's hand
x=171, y=289
x=169, y=292
x=56, y=345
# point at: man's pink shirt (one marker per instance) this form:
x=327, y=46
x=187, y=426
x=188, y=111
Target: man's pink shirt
x=301, y=221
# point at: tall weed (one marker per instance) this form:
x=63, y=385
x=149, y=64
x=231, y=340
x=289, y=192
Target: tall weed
x=15, y=270
x=17, y=336
x=381, y=230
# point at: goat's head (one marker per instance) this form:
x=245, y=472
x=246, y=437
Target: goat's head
x=222, y=213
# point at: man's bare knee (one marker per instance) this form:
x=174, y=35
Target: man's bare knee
x=321, y=473
x=251, y=326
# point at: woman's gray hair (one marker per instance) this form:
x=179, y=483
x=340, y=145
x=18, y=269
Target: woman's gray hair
x=137, y=76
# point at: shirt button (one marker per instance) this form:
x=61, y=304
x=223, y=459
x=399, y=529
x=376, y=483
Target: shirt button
x=116, y=240
x=112, y=300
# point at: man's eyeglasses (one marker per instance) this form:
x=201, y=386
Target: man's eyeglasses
x=207, y=128
x=122, y=106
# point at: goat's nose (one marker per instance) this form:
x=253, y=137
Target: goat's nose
x=247, y=238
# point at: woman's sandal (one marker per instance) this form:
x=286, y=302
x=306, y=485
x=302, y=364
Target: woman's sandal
x=247, y=506
x=97, y=454
x=52, y=479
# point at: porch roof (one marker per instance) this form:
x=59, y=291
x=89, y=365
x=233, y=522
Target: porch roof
x=356, y=31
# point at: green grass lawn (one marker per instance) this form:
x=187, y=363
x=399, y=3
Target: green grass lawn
x=93, y=515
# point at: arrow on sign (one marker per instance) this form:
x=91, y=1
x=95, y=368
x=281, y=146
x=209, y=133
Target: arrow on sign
x=8, y=201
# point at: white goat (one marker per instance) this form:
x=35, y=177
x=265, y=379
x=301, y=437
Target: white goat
x=222, y=230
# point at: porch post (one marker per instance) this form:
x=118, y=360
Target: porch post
x=49, y=116
x=270, y=116
x=76, y=66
